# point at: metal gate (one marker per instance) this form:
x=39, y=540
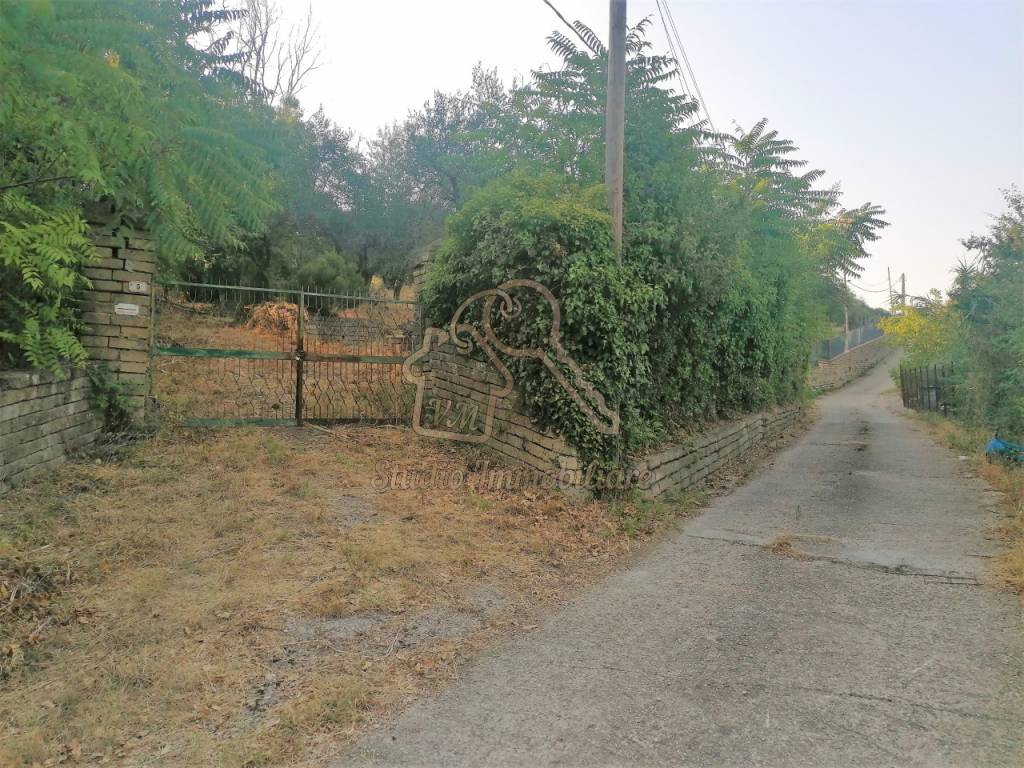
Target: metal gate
x=237, y=355
x=928, y=388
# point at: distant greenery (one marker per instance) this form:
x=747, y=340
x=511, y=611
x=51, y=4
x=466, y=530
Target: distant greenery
x=979, y=327
x=732, y=255
x=734, y=260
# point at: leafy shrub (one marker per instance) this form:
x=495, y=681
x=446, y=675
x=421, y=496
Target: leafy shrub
x=542, y=229
x=330, y=272
x=979, y=328
x=40, y=254
x=671, y=334
x=110, y=397
x=111, y=101
x=988, y=294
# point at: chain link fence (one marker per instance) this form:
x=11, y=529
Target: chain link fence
x=844, y=342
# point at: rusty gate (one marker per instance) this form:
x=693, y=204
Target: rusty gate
x=240, y=355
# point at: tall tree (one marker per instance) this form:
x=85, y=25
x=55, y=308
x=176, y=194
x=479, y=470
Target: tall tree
x=113, y=101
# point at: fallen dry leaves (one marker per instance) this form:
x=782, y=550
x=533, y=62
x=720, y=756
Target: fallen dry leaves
x=248, y=597
x=245, y=596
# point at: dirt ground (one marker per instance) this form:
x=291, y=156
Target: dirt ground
x=253, y=596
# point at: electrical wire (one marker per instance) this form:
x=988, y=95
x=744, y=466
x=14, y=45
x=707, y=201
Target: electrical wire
x=882, y=284
x=869, y=290
x=675, y=56
x=686, y=60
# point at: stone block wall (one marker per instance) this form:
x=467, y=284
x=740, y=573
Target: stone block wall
x=832, y=374
x=450, y=376
x=117, y=311
x=43, y=419
x=686, y=463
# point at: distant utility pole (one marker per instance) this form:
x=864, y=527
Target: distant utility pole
x=615, y=116
x=903, y=289
x=892, y=299
x=846, y=313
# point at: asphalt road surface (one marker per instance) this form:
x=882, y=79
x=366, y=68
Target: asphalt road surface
x=881, y=645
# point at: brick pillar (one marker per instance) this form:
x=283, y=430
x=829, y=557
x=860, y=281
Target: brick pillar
x=118, y=309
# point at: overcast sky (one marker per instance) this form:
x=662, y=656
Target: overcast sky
x=916, y=106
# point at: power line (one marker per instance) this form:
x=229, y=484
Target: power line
x=675, y=55
x=686, y=60
x=565, y=21
x=869, y=290
x=880, y=286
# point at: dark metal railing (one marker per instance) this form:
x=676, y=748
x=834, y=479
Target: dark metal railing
x=928, y=387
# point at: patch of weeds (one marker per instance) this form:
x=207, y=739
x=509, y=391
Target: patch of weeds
x=110, y=397
x=277, y=452
x=638, y=516
x=344, y=702
x=476, y=501
x=305, y=490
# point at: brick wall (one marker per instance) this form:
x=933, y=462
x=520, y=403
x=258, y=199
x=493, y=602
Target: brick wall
x=832, y=374
x=686, y=463
x=451, y=376
x=117, y=311
x=43, y=419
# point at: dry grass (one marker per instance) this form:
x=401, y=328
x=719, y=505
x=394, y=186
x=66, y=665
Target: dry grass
x=1008, y=566
x=243, y=597
x=785, y=546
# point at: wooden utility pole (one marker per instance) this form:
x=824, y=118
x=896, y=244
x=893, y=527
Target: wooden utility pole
x=903, y=289
x=615, y=116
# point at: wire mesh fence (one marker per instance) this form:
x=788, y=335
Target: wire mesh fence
x=928, y=387
x=226, y=354
x=844, y=342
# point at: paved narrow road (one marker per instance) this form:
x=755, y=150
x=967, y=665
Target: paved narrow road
x=880, y=648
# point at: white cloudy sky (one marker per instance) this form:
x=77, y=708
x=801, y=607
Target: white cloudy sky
x=917, y=106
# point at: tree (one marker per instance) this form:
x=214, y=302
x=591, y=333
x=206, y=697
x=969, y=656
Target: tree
x=114, y=102
x=277, y=64
x=979, y=327
x=717, y=299
x=988, y=294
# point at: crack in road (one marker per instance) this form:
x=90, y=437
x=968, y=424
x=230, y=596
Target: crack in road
x=944, y=577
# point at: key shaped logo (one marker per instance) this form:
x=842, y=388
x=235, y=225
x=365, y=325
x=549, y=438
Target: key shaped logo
x=459, y=420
